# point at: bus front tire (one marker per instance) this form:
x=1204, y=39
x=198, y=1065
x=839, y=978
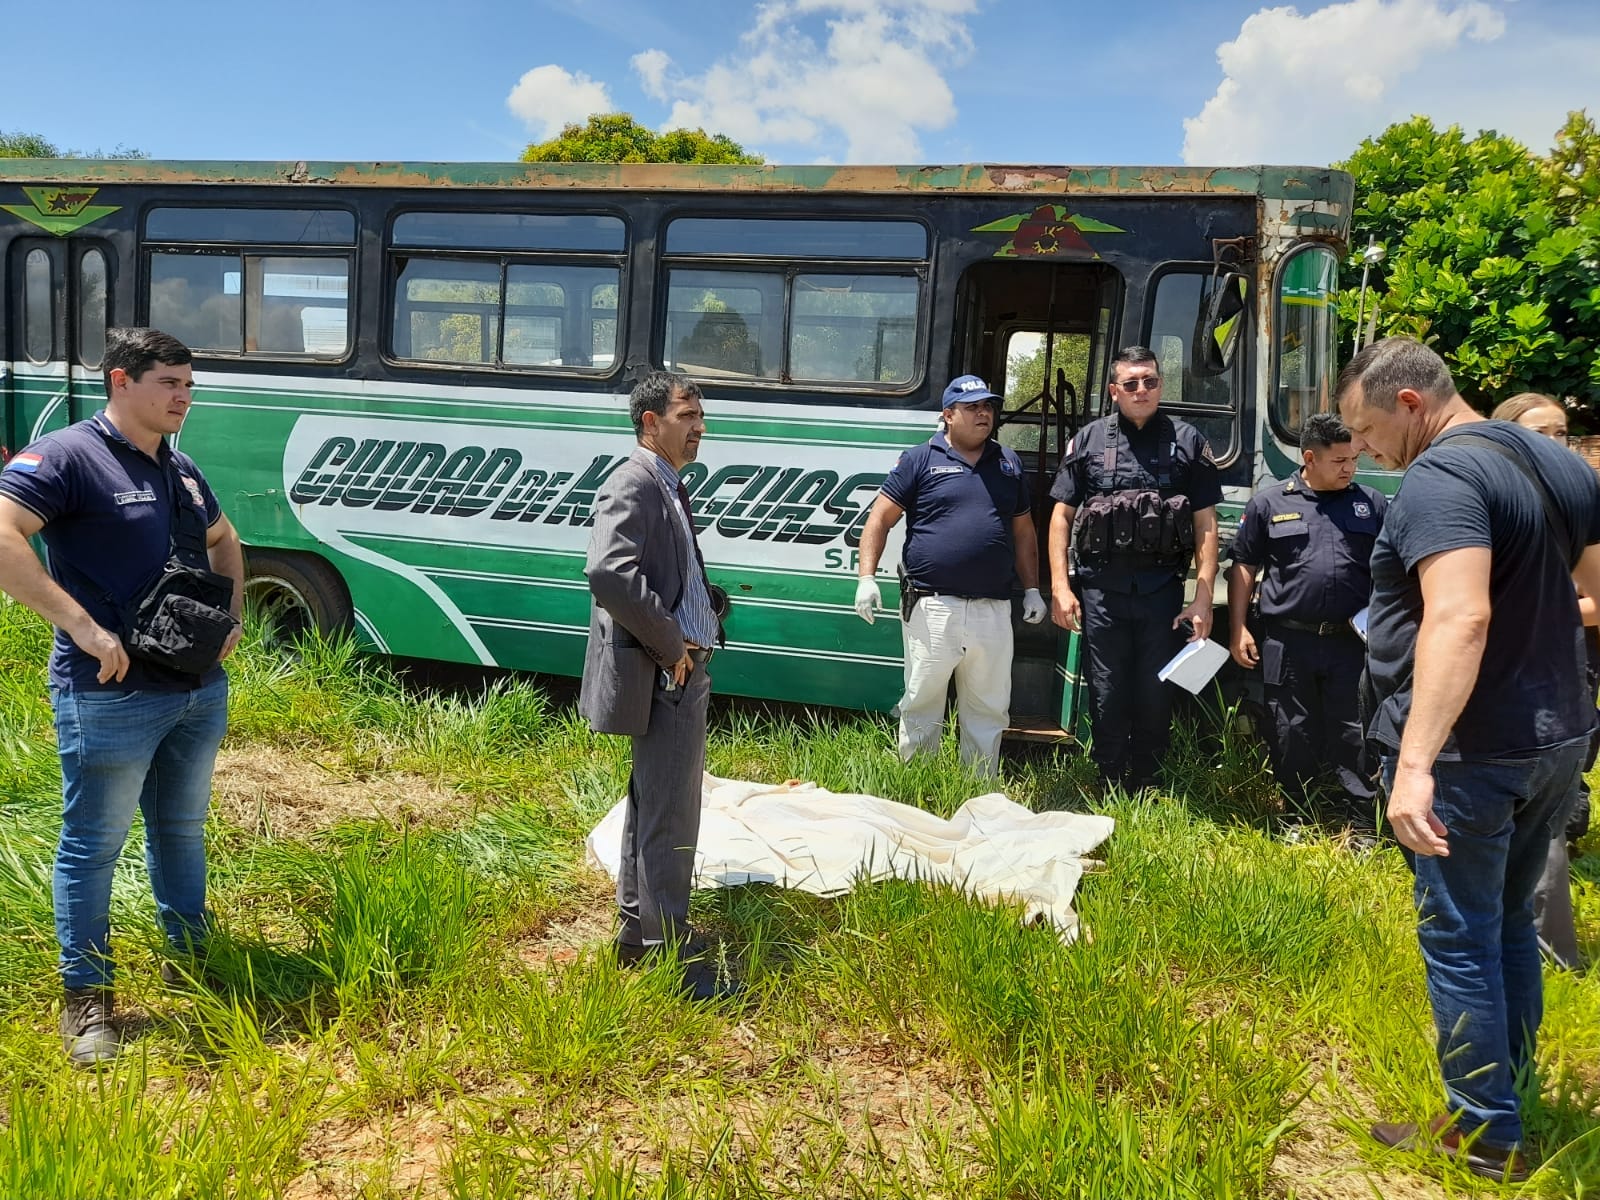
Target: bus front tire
x=288, y=595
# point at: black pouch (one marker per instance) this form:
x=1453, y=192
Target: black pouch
x=1091, y=538
x=181, y=620
x=1148, y=508
x=1124, y=528
x=1182, y=519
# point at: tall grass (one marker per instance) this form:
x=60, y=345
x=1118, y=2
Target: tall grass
x=1233, y=995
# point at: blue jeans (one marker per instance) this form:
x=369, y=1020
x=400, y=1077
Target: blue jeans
x=154, y=750
x=1475, y=924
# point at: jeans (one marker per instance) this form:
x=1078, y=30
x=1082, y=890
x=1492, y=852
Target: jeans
x=1475, y=924
x=154, y=750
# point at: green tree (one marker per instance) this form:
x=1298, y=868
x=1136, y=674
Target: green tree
x=1491, y=253
x=31, y=145
x=618, y=138
x=25, y=145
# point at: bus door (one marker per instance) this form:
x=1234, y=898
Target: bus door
x=60, y=305
x=1038, y=332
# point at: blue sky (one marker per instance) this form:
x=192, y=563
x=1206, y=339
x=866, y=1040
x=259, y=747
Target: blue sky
x=1058, y=81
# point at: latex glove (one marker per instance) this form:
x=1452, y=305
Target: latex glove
x=1033, y=606
x=868, y=599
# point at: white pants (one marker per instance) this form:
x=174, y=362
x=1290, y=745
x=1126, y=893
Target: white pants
x=970, y=639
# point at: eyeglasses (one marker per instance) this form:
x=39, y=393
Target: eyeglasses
x=1130, y=386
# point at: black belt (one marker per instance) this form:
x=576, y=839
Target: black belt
x=1320, y=628
x=701, y=654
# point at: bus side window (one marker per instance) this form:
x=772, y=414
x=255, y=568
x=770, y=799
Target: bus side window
x=849, y=317
x=513, y=303
x=447, y=310
x=196, y=298
x=218, y=282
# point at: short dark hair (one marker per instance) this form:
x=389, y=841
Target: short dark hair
x=1136, y=356
x=1384, y=368
x=654, y=392
x=1322, y=430
x=136, y=350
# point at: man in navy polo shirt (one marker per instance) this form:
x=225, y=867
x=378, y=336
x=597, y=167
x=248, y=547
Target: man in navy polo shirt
x=111, y=498
x=969, y=537
x=1475, y=652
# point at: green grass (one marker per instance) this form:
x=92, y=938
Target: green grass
x=423, y=1006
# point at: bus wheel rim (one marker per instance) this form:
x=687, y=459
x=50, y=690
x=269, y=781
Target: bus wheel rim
x=282, y=613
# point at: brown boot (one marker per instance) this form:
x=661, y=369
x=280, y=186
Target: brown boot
x=1442, y=1137
x=87, y=1034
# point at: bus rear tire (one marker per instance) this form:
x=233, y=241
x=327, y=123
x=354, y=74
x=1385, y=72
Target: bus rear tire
x=289, y=595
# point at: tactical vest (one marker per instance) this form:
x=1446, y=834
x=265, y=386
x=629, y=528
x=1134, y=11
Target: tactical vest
x=1135, y=527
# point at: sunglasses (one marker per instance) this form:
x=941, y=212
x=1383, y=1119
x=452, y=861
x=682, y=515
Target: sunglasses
x=1130, y=386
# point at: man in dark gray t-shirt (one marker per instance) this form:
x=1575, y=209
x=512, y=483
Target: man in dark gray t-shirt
x=1475, y=654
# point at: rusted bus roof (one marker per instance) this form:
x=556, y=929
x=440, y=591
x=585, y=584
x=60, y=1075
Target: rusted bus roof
x=1307, y=183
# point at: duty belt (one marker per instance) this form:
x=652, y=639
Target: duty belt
x=1320, y=628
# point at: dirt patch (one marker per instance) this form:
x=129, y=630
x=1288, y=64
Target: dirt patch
x=401, y=1155
x=271, y=793
x=587, y=922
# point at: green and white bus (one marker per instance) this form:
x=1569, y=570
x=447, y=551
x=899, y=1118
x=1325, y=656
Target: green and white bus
x=413, y=377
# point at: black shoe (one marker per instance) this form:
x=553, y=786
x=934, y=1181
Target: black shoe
x=704, y=984
x=633, y=954
x=87, y=1034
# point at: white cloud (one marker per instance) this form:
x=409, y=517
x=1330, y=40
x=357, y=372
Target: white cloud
x=863, y=91
x=651, y=68
x=1307, y=88
x=548, y=97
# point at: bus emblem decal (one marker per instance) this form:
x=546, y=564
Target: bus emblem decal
x=60, y=210
x=1047, y=231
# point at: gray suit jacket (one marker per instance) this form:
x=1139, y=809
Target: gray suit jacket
x=637, y=552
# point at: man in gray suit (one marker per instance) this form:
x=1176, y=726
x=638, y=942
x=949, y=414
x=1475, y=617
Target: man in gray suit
x=651, y=633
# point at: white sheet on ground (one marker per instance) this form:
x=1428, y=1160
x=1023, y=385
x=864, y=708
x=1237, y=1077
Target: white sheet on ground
x=798, y=835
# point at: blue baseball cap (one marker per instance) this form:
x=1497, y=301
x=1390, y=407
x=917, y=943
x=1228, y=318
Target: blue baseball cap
x=967, y=389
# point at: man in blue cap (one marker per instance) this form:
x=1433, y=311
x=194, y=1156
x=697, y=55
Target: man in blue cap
x=969, y=540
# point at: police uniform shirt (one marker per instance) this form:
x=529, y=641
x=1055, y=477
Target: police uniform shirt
x=1090, y=469
x=107, y=509
x=1315, y=548
x=958, y=517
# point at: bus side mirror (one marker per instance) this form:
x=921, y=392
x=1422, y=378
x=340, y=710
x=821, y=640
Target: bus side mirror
x=1222, y=323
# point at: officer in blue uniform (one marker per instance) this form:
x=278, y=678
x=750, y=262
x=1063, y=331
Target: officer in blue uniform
x=1308, y=539
x=1136, y=501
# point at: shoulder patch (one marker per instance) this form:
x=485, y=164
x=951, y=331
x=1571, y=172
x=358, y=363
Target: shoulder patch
x=1361, y=508
x=24, y=462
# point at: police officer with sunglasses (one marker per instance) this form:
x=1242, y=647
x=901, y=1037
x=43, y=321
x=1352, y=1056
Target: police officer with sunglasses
x=1136, y=503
